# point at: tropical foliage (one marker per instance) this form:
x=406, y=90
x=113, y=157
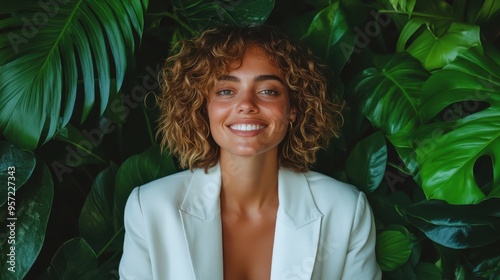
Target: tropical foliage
x=421, y=133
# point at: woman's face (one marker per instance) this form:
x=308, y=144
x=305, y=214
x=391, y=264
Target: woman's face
x=249, y=109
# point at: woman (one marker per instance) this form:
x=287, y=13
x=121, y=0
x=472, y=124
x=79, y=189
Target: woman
x=246, y=109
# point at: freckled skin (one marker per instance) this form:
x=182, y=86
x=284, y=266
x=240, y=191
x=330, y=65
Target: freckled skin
x=253, y=94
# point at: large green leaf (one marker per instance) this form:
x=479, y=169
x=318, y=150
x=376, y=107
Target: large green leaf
x=204, y=13
x=457, y=226
x=447, y=159
x=393, y=248
x=389, y=94
x=74, y=260
x=330, y=37
x=97, y=222
x=365, y=165
x=25, y=224
x=21, y=162
x=434, y=47
x=47, y=47
x=138, y=170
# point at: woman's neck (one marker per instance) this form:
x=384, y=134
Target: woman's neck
x=249, y=184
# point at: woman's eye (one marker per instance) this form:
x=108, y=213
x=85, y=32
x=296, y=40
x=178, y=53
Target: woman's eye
x=224, y=92
x=269, y=92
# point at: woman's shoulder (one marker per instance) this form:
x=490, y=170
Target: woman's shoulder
x=319, y=182
x=168, y=186
x=329, y=192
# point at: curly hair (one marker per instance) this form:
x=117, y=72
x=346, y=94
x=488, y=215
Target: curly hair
x=188, y=76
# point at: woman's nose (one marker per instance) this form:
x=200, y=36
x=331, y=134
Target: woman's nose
x=247, y=103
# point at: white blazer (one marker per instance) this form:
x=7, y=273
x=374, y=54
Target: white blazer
x=324, y=229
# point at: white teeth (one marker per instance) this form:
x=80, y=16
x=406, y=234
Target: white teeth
x=246, y=127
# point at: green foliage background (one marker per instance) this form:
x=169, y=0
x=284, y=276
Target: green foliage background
x=421, y=136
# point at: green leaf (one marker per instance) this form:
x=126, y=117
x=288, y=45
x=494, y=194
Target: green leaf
x=118, y=111
x=428, y=271
x=447, y=151
x=489, y=268
x=29, y=221
x=109, y=270
x=23, y=163
x=393, y=248
x=457, y=226
x=412, y=26
x=386, y=207
x=97, y=224
x=82, y=147
x=74, y=260
x=204, y=13
x=435, y=50
x=406, y=272
x=489, y=11
x=365, y=165
x=138, y=170
x=389, y=94
x=50, y=46
x=247, y=12
x=330, y=37
x=403, y=5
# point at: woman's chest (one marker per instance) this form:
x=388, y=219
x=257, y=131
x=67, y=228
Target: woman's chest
x=247, y=248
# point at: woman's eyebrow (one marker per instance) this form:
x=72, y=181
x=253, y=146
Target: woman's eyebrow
x=259, y=78
x=229, y=78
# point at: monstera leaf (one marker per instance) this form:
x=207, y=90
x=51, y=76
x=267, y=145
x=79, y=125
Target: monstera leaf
x=47, y=48
x=389, y=94
x=451, y=148
x=439, y=43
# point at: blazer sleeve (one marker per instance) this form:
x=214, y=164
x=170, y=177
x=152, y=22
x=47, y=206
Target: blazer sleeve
x=361, y=261
x=135, y=262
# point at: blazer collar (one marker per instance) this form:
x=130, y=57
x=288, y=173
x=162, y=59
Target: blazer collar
x=202, y=196
x=297, y=230
x=201, y=220
x=296, y=204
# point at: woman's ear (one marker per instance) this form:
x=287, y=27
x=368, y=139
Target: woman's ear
x=293, y=115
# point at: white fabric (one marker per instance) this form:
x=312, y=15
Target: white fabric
x=324, y=229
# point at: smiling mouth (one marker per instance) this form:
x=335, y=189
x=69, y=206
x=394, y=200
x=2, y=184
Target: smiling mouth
x=246, y=127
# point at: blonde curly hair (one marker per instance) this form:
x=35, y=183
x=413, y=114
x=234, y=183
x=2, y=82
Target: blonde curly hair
x=188, y=76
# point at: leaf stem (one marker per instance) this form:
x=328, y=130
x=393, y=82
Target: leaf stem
x=415, y=14
x=100, y=159
x=110, y=241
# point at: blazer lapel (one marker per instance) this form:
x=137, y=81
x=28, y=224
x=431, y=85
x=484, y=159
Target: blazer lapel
x=298, y=228
x=200, y=215
x=296, y=235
